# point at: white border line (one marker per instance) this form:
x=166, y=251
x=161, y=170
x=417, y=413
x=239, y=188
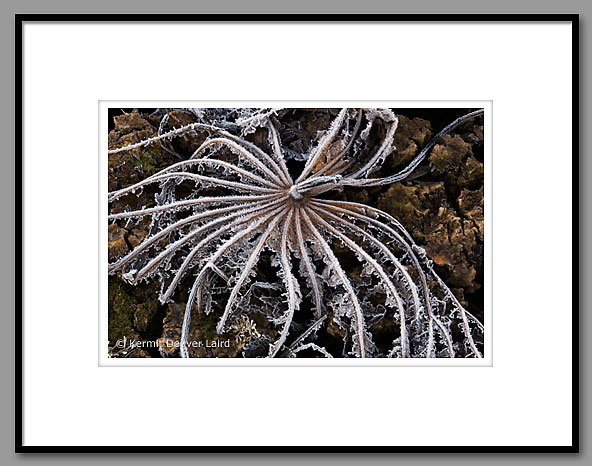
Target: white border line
x=105, y=361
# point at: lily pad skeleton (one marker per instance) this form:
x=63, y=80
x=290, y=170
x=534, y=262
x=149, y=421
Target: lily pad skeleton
x=219, y=238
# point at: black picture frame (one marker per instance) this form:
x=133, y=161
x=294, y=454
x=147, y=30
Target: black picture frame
x=20, y=19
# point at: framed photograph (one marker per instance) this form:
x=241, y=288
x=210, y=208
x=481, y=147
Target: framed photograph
x=355, y=236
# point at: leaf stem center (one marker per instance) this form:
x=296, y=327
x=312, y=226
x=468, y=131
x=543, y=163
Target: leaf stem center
x=294, y=193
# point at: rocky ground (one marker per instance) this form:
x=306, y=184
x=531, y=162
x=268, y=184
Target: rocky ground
x=441, y=206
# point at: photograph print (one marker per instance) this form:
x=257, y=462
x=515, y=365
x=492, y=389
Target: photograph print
x=296, y=233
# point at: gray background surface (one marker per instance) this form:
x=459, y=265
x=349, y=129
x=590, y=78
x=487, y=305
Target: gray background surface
x=7, y=195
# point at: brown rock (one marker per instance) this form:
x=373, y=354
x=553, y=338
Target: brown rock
x=411, y=136
x=448, y=154
x=471, y=174
x=136, y=237
x=188, y=142
x=117, y=246
x=130, y=121
x=144, y=314
x=453, y=240
x=470, y=204
x=168, y=344
x=449, y=244
x=413, y=205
